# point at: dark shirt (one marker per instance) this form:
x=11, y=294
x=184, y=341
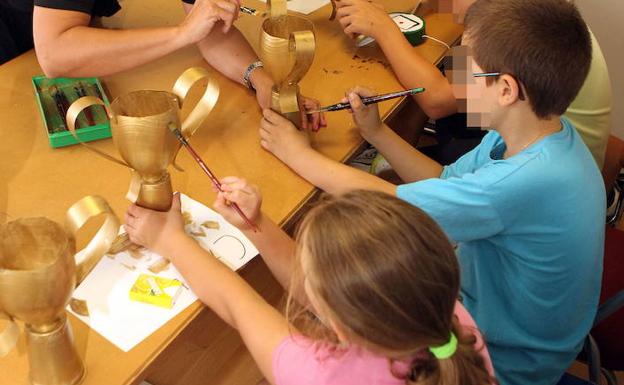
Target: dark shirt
x=92, y=7
x=16, y=20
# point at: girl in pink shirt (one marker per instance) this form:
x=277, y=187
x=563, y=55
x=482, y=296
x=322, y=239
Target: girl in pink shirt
x=372, y=281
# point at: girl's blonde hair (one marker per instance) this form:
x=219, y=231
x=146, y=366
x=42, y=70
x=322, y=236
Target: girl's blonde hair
x=385, y=274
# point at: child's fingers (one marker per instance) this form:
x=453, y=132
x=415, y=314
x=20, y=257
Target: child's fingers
x=344, y=3
x=304, y=120
x=237, y=185
x=356, y=102
x=219, y=203
x=343, y=11
x=265, y=125
x=176, y=204
x=346, y=100
x=346, y=22
x=362, y=91
x=230, y=179
x=323, y=120
x=271, y=116
x=129, y=229
x=128, y=219
x=316, y=121
x=265, y=135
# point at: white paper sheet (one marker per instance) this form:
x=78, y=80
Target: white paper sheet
x=126, y=323
x=305, y=6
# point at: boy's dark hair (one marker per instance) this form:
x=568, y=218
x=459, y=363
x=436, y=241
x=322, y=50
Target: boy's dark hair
x=544, y=44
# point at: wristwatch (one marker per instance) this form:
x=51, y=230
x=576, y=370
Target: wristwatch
x=248, y=71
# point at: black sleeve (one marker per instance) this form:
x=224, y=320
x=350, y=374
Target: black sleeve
x=85, y=6
x=91, y=7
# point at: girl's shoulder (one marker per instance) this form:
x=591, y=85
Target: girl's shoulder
x=299, y=360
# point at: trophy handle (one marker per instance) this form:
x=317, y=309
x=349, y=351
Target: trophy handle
x=203, y=108
x=332, y=16
x=72, y=114
x=77, y=215
x=277, y=8
x=302, y=42
x=8, y=337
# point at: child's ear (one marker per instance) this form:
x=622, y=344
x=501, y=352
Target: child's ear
x=508, y=90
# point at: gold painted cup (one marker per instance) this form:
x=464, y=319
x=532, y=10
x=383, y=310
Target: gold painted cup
x=287, y=50
x=38, y=273
x=140, y=124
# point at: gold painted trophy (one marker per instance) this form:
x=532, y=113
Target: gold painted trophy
x=287, y=50
x=38, y=272
x=140, y=124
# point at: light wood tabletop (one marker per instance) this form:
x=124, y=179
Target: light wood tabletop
x=37, y=180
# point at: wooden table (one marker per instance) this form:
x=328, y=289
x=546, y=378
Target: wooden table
x=36, y=180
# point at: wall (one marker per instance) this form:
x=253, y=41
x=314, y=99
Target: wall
x=605, y=17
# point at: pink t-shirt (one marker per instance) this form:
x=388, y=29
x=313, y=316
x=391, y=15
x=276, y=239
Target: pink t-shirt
x=298, y=361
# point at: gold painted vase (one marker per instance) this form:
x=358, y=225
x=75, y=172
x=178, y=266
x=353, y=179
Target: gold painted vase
x=287, y=48
x=38, y=272
x=140, y=124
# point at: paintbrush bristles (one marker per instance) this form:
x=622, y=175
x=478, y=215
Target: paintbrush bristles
x=176, y=132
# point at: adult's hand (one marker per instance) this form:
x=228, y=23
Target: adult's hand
x=205, y=14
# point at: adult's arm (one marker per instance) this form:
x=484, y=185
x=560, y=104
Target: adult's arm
x=230, y=54
x=67, y=46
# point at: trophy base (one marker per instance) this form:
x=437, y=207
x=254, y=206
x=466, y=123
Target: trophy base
x=52, y=356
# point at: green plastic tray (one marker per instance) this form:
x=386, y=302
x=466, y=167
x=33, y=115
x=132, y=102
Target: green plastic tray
x=54, y=123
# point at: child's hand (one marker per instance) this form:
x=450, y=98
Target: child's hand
x=158, y=231
x=279, y=136
x=245, y=195
x=315, y=121
x=366, y=118
x=363, y=17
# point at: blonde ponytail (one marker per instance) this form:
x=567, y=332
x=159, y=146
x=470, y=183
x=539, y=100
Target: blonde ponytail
x=466, y=366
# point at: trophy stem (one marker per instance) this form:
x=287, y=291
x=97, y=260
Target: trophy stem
x=52, y=356
x=157, y=195
x=286, y=102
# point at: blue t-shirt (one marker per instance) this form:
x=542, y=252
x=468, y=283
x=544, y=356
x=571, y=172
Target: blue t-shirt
x=530, y=235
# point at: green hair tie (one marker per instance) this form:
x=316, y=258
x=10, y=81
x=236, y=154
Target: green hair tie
x=445, y=351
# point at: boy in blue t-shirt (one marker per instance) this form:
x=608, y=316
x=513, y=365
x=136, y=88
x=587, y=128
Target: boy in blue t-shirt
x=526, y=207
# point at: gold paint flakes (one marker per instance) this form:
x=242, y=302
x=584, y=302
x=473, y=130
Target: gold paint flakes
x=214, y=225
x=159, y=266
x=198, y=233
x=186, y=216
x=79, y=306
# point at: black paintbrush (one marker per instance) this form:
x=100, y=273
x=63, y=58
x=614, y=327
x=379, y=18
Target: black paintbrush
x=369, y=100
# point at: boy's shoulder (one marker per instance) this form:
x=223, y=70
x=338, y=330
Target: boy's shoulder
x=558, y=156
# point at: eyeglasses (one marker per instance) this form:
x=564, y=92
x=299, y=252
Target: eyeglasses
x=493, y=74
x=486, y=74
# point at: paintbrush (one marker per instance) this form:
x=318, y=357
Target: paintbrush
x=247, y=10
x=212, y=177
x=369, y=100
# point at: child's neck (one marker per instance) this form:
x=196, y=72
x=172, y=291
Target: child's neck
x=521, y=128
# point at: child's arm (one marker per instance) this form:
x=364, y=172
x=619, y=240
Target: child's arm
x=409, y=163
x=275, y=246
x=369, y=19
x=261, y=327
x=291, y=146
